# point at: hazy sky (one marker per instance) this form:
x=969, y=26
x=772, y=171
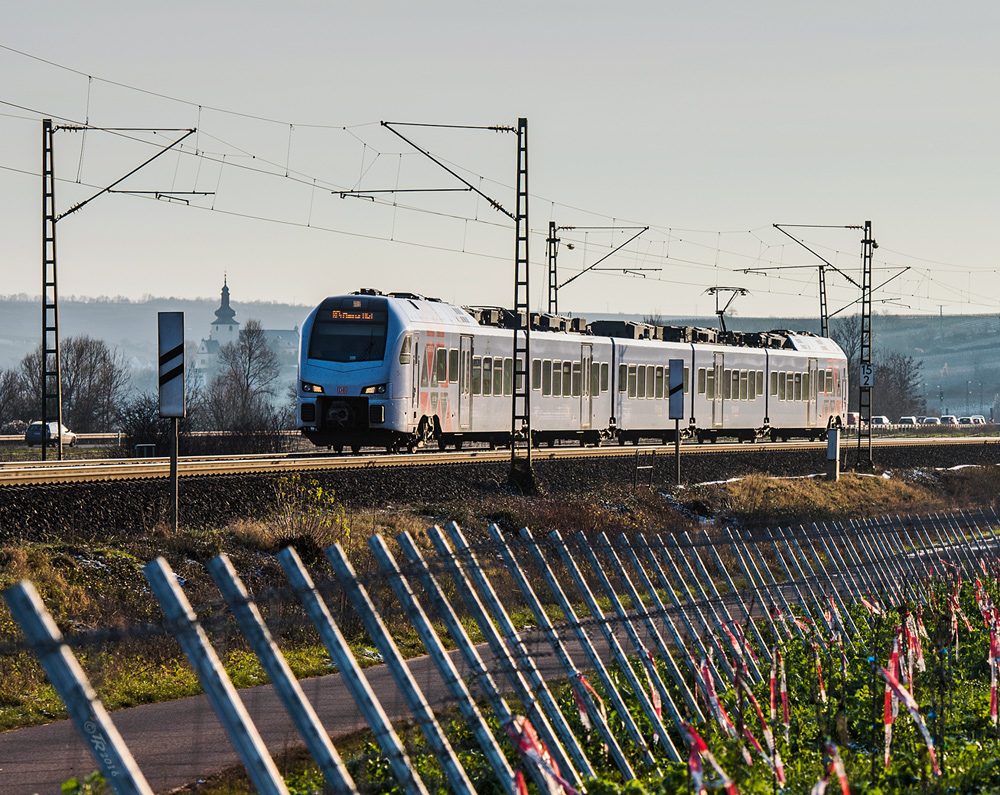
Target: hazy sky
x=707, y=122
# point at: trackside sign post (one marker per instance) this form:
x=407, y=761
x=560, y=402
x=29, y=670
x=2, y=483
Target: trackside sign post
x=677, y=408
x=170, y=346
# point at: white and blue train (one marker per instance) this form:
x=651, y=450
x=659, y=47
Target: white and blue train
x=400, y=371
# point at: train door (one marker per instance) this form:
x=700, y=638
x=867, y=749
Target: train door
x=465, y=382
x=813, y=412
x=586, y=395
x=717, y=404
x=415, y=388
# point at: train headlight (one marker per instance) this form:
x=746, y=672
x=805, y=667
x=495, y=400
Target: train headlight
x=376, y=389
x=307, y=387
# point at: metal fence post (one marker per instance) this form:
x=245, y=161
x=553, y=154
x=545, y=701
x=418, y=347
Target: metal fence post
x=479, y=673
x=609, y=636
x=588, y=648
x=741, y=560
x=286, y=686
x=394, y=661
x=437, y=652
x=355, y=681
x=640, y=608
x=221, y=693
x=524, y=659
x=645, y=658
x=735, y=593
x=722, y=660
x=564, y=658
x=88, y=714
x=661, y=612
x=748, y=660
x=532, y=704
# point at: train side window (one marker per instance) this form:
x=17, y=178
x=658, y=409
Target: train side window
x=789, y=386
x=744, y=386
x=727, y=385
x=710, y=384
x=487, y=375
x=577, y=386
x=441, y=366
x=477, y=375
x=406, y=349
x=567, y=379
x=508, y=376
x=687, y=381
x=605, y=372
x=736, y=384
x=640, y=381
x=631, y=380
x=623, y=378
x=519, y=373
x=701, y=380
x=658, y=385
x=781, y=385
x=650, y=373
x=751, y=385
x=557, y=379
x=774, y=384
x=453, y=366
x=547, y=378
x=595, y=378
x=423, y=372
x=497, y=376
x=760, y=382
x=536, y=374
x=798, y=386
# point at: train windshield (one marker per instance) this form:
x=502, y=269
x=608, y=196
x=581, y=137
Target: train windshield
x=350, y=333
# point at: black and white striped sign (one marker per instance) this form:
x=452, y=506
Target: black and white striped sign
x=171, y=351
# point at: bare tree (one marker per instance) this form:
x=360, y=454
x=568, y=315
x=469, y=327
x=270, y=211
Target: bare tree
x=897, y=390
x=249, y=366
x=240, y=397
x=846, y=332
x=95, y=381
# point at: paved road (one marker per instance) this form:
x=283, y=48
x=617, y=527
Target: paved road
x=178, y=742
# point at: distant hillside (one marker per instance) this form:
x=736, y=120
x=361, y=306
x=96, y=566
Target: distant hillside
x=961, y=372
x=128, y=325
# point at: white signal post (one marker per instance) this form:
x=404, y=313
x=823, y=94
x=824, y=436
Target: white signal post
x=170, y=347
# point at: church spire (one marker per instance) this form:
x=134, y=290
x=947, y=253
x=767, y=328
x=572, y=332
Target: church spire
x=225, y=315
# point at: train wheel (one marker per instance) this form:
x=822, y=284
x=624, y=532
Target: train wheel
x=355, y=448
x=458, y=444
x=338, y=449
x=425, y=433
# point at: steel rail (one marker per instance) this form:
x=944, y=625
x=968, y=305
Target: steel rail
x=88, y=470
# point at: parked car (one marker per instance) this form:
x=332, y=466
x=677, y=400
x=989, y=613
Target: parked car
x=33, y=435
x=880, y=419
x=949, y=419
x=978, y=419
x=907, y=420
x=931, y=421
x=966, y=421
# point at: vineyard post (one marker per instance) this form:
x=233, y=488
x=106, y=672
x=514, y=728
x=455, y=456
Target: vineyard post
x=355, y=681
x=588, y=648
x=523, y=656
x=640, y=609
x=300, y=710
x=539, y=717
x=619, y=653
x=715, y=598
x=213, y=678
x=564, y=658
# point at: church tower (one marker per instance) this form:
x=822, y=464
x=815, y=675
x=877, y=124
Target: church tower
x=225, y=327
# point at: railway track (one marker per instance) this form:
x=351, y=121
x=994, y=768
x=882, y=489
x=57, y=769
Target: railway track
x=97, y=470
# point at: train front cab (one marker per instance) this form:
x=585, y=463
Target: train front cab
x=353, y=388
